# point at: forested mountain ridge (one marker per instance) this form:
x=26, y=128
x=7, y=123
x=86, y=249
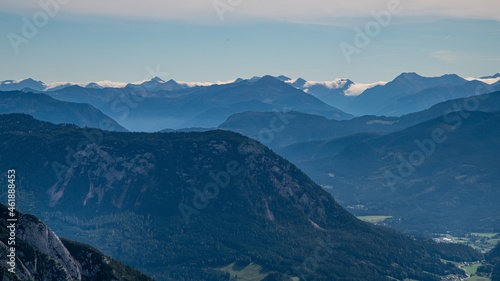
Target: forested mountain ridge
x=181, y=205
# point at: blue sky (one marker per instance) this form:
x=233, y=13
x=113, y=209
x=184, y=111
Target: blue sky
x=82, y=42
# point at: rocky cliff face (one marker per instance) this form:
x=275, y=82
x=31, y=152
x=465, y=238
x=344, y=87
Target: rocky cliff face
x=45, y=241
x=40, y=254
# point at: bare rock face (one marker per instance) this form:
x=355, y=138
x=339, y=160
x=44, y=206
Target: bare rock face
x=39, y=253
x=44, y=240
x=21, y=273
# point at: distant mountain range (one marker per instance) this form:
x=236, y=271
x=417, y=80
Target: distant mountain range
x=182, y=104
x=154, y=84
x=45, y=108
x=200, y=206
x=279, y=129
x=321, y=89
x=410, y=92
x=192, y=203
x=294, y=127
x=41, y=255
x=407, y=93
x=139, y=109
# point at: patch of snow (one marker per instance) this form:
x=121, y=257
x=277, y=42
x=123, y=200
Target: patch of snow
x=195, y=84
x=104, y=84
x=57, y=84
x=487, y=81
x=110, y=84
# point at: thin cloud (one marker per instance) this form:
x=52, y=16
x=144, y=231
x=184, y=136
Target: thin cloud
x=487, y=81
x=280, y=10
x=194, y=84
x=335, y=84
x=356, y=89
x=443, y=55
x=378, y=56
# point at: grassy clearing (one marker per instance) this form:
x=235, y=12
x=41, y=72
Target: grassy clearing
x=494, y=242
x=357, y=207
x=472, y=269
x=374, y=219
x=447, y=261
x=487, y=235
x=480, y=241
x=251, y=272
x=478, y=278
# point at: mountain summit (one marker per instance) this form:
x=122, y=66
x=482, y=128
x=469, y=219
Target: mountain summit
x=11, y=85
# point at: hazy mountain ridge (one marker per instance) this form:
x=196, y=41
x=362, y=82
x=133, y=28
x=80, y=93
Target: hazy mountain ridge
x=139, y=109
x=285, y=128
x=452, y=186
x=292, y=127
x=45, y=108
x=376, y=99
x=407, y=93
x=429, y=97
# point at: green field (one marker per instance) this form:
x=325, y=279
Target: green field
x=374, y=219
x=480, y=241
x=478, y=278
x=251, y=272
x=494, y=242
x=471, y=269
x=489, y=235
